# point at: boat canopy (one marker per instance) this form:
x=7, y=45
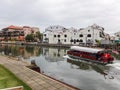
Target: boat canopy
x=86, y=49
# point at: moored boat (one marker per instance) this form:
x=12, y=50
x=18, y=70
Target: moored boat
x=90, y=54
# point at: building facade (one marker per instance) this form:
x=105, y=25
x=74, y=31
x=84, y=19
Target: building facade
x=117, y=35
x=17, y=33
x=61, y=35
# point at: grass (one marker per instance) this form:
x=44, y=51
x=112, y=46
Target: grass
x=8, y=79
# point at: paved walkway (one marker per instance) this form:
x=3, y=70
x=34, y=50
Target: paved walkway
x=35, y=80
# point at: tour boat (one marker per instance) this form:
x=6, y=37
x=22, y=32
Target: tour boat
x=90, y=54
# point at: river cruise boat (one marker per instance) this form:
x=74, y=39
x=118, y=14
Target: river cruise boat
x=90, y=54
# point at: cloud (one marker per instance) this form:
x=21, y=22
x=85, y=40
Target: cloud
x=68, y=13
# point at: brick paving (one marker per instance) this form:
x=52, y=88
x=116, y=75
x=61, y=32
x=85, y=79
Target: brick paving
x=33, y=79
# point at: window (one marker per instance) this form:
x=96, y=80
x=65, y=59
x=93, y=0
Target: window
x=58, y=35
x=89, y=40
x=71, y=40
x=117, y=35
x=81, y=40
x=64, y=40
x=44, y=34
x=89, y=35
x=65, y=35
x=102, y=34
x=80, y=35
x=58, y=40
x=54, y=35
x=77, y=40
x=74, y=40
x=88, y=30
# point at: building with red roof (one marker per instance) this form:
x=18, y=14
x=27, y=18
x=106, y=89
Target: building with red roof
x=17, y=33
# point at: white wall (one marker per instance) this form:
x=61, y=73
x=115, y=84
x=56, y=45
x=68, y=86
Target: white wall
x=73, y=34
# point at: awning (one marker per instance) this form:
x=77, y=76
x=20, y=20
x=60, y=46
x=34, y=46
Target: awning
x=117, y=40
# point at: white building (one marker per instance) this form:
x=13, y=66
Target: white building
x=57, y=35
x=61, y=35
x=117, y=35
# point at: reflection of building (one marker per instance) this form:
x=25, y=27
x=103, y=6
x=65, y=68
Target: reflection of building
x=22, y=51
x=62, y=35
x=31, y=51
x=16, y=32
x=54, y=54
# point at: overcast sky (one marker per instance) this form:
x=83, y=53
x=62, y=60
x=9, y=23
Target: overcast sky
x=68, y=13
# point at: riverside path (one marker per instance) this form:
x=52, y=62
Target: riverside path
x=33, y=79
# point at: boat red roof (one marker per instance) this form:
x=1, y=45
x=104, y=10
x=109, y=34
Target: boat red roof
x=86, y=49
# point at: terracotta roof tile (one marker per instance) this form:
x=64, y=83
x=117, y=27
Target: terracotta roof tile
x=15, y=27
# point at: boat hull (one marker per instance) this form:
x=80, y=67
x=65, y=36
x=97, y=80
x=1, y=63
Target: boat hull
x=90, y=54
x=89, y=60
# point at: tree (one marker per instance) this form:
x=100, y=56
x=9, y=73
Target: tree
x=39, y=35
x=29, y=37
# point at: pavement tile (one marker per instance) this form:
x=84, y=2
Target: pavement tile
x=64, y=88
x=58, y=85
x=35, y=80
x=46, y=85
x=52, y=88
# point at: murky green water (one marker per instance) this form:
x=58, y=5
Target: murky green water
x=54, y=63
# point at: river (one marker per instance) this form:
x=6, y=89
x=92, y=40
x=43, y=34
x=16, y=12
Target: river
x=55, y=63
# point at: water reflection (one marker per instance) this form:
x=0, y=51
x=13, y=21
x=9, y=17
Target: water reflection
x=103, y=70
x=54, y=54
x=18, y=50
x=50, y=61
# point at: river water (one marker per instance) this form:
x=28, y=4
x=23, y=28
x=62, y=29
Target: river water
x=55, y=63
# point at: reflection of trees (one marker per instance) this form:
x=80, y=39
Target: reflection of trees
x=40, y=51
x=14, y=50
x=29, y=49
x=6, y=50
